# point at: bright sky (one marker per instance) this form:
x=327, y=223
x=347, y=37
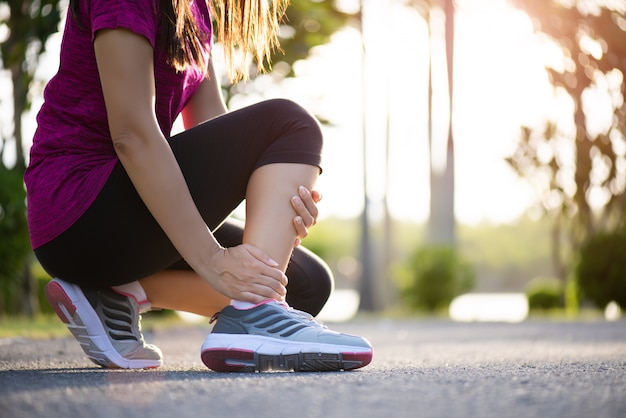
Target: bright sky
x=499, y=85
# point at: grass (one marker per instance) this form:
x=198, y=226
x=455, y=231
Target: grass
x=41, y=327
x=50, y=326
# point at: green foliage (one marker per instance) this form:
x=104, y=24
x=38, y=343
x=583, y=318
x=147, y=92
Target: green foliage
x=30, y=23
x=41, y=279
x=14, y=244
x=307, y=25
x=564, y=163
x=544, y=293
x=601, y=270
x=333, y=238
x=503, y=256
x=437, y=275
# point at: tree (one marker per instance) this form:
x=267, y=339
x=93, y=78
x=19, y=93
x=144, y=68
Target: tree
x=601, y=268
x=14, y=244
x=441, y=223
x=29, y=24
x=580, y=172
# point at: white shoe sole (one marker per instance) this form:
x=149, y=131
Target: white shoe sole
x=249, y=353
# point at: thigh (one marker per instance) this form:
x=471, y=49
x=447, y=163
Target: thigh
x=116, y=241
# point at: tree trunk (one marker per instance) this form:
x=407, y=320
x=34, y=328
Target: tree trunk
x=366, y=284
x=442, y=224
x=20, y=93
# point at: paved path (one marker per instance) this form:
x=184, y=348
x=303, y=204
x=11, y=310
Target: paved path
x=420, y=368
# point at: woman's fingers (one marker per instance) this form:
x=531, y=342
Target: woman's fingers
x=264, y=273
x=317, y=196
x=263, y=288
x=305, y=206
x=301, y=230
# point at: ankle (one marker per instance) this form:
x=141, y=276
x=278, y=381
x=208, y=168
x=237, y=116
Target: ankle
x=242, y=305
x=134, y=290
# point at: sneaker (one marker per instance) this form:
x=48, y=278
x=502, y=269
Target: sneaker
x=105, y=323
x=273, y=336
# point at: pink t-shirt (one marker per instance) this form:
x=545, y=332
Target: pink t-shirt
x=72, y=154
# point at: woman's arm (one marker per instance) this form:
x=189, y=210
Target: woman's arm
x=206, y=103
x=125, y=64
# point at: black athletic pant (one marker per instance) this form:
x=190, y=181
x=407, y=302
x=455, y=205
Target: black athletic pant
x=118, y=241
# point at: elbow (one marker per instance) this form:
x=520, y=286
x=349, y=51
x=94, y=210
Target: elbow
x=130, y=137
x=129, y=143
x=124, y=143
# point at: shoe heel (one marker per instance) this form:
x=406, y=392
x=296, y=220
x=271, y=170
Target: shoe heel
x=60, y=302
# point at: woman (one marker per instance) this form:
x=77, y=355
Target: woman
x=127, y=217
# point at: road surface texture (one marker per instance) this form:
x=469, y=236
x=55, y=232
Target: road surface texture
x=421, y=368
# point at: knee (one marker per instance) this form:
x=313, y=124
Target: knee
x=297, y=119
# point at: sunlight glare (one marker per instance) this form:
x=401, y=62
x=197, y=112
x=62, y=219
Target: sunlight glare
x=342, y=306
x=489, y=307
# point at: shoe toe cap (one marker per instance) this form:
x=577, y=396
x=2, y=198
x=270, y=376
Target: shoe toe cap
x=337, y=338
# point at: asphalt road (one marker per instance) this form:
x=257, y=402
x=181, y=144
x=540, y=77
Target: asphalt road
x=420, y=368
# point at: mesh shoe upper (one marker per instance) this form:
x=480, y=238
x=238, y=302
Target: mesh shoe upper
x=274, y=336
x=277, y=320
x=121, y=320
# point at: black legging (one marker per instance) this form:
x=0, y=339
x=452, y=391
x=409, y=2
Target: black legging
x=118, y=241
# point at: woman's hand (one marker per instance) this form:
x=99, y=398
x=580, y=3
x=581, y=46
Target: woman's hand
x=247, y=273
x=305, y=205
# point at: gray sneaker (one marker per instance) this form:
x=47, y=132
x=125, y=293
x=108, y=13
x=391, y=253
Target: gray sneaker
x=273, y=336
x=105, y=323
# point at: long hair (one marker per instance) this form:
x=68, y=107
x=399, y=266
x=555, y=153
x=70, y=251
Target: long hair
x=249, y=27
x=181, y=37
x=245, y=27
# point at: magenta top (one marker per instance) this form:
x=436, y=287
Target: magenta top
x=72, y=154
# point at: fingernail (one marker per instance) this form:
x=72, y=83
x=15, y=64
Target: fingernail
x=272, y=262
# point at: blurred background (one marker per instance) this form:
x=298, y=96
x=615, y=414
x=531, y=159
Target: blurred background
x=475, y=154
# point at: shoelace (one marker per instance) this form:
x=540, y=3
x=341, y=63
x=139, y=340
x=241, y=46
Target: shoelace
x=304, y=317
x=307, y=317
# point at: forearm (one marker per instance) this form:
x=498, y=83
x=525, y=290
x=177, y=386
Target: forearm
x=158, y=179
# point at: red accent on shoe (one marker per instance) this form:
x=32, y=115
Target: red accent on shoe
x=363, y=358
x=57, y=298
x=225, y=360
